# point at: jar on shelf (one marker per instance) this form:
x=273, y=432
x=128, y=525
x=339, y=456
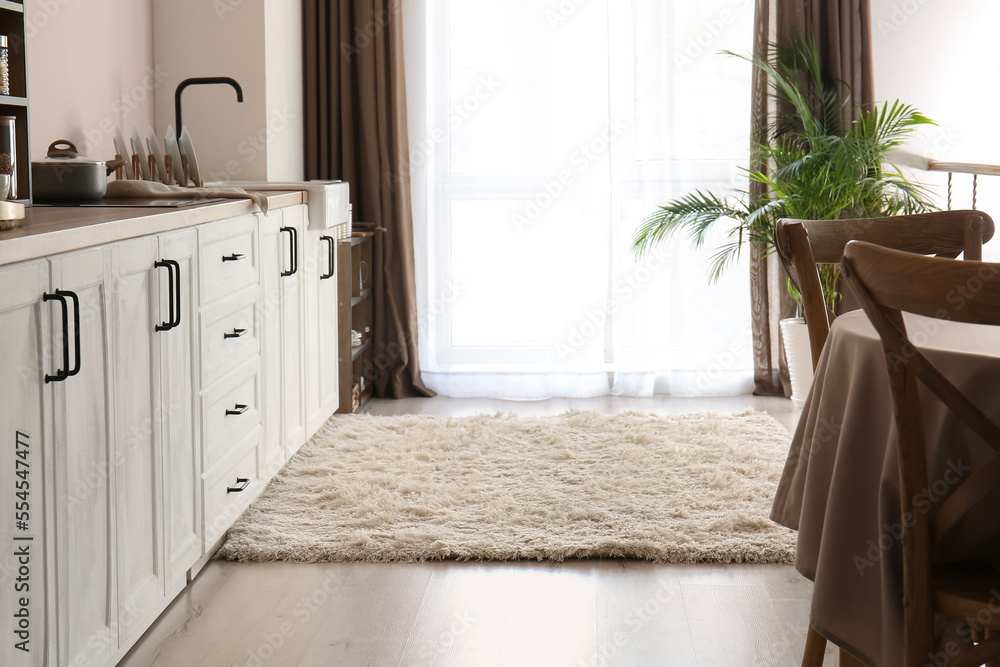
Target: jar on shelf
x=8, y=153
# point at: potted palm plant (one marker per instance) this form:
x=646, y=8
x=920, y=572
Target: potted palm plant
x=815, y=170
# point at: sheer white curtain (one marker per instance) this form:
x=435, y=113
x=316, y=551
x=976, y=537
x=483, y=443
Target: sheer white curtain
x=541, y=134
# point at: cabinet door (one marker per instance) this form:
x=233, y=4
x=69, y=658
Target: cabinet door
x=136, y=448
x=322, y=390
x=22, y=483
x=84, y=473
x=178, y=353
x=293, y=408
x=272, y=442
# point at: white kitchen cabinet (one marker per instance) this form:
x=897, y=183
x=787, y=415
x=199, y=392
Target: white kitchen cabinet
x=136, y=447
x=231, y=332
x=153, y=357
x=282, y=243
x=178, y=423
x=322, y=393
x=25, y=423
x=85, y=618
x=137, y=397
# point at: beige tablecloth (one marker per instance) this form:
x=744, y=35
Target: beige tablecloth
x=840, y=487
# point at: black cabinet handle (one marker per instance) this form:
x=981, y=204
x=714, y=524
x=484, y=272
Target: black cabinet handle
x=236, y=333
x=332, y=262
x=169, y=266
x=243, y=484
x=294, y=238
x=60, y=374
x=76, y=329
x=66, y=371
x=237, y=409
x=176, y=322
x=235, y=257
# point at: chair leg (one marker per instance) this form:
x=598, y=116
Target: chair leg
x=848, y=660
x=815, y=649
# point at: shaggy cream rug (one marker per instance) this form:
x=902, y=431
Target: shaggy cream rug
x=694, y=488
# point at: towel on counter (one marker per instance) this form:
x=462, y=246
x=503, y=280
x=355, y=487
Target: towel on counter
x=125, y=189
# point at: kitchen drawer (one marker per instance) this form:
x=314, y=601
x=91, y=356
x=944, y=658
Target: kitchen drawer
x=229, y=334
x=229, y=256
x=231, y=486
x=230, y=409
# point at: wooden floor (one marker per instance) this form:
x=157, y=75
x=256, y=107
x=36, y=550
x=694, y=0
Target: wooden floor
x=585, y=613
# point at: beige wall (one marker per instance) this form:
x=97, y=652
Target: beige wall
x=95, y=64
x=90, y=67
x=256, y=42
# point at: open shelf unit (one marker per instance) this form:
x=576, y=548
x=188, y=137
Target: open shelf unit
x=16, y=104
x=354, y=294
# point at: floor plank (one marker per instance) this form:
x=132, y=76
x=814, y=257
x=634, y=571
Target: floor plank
x=582, y=613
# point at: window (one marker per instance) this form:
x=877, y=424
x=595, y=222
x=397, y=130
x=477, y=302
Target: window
x=541, y=134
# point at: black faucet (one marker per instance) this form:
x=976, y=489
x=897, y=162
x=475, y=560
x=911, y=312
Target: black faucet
x=197, y=81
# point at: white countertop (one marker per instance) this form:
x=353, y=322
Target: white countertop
x=50, y=230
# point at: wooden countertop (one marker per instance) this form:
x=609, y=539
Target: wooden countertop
x=50, y=230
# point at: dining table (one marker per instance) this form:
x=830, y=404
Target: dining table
x=840, y=485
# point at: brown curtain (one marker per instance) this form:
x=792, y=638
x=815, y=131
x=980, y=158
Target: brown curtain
x=842, y=29
x=355, y=130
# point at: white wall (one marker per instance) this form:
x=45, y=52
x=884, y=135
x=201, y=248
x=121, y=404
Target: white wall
x=90, y=67
x=941, y=56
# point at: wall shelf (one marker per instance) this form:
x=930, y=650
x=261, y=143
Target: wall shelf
x=355, y=300
x=357, y=350
x=16, y=104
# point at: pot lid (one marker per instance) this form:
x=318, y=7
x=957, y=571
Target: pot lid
x=64, y=152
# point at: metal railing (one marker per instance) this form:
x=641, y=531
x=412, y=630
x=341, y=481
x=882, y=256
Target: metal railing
x=976, y=170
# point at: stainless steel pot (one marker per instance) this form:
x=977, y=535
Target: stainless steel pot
x=65, y=176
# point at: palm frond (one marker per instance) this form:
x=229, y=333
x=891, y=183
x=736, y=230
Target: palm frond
x=695, y=213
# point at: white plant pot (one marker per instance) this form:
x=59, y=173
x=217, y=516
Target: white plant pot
x=799, y=354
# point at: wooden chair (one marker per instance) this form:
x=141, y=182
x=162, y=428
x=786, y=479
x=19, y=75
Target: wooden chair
x=802, y=244
x=889, y=282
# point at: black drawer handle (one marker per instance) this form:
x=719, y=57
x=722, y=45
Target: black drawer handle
x=243, y=482
x=331, y=261
x=236, y=333
x=237, y=409
x=235, y=257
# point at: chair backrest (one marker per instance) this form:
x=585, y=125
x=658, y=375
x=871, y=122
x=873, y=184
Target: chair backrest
x=888, y=283
x=802, y=244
